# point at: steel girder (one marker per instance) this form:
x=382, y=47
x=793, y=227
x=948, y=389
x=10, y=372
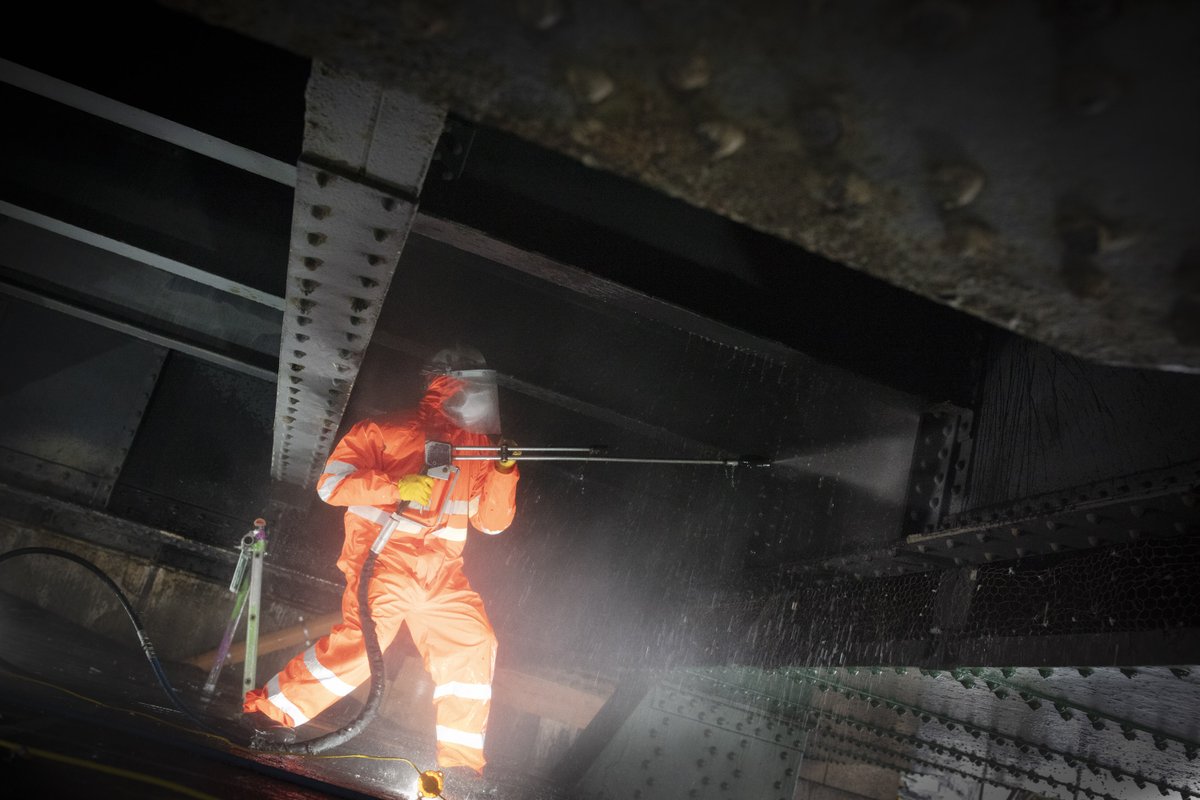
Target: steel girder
x=366, y=152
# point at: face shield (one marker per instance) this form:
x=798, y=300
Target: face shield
x=475, y=407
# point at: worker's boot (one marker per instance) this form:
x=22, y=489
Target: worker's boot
x=266, y=732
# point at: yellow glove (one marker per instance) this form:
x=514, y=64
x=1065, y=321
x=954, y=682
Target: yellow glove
x=415, y=489
x=506, y=464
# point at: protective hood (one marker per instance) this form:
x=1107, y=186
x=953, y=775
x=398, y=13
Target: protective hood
x=469, y=399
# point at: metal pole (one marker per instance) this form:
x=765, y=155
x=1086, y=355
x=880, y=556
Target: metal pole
x=743, y=461
x=258, y=548
x=240, y=585
x=488, y=449
x=234, y=620
x=506, y=452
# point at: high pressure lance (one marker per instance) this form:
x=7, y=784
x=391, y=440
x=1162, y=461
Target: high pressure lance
x=444, y=454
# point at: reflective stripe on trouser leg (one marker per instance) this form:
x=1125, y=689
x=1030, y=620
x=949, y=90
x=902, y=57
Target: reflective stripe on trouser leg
x=332, y=668
x=452, y=632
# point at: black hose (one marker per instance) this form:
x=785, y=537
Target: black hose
x=378, y=678
x=310, y=747
x=147, y=646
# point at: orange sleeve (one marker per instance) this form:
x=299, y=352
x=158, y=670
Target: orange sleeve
x=494, y=498
x=353, y=474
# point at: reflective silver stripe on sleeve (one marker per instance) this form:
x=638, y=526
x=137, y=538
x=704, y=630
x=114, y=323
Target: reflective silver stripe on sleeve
x=275, y=695
x=457, y=507
x=380, y=517
x=473, y=507
x=464, y=738
x=370, y=513
x=339, y=469
x=330, y=681
x=467, y=691
x=451, y=534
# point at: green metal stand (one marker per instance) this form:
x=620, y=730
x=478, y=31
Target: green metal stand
x=248, y=588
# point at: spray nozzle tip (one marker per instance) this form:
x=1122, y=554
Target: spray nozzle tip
x=754, y=461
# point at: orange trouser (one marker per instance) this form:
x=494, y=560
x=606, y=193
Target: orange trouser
x=448, y=626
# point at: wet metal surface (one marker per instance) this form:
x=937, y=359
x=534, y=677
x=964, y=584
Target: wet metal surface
x=85, y=713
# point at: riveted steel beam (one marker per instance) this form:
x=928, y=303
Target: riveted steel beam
x=1157, y=504
x=365, y=154
x=1153, y=504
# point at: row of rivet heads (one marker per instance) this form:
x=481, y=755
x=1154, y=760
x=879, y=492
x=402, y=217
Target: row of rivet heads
x=1024, y=746
x=980, y=760
x=339, y=274
x=1031, y=697
x=1164, y=788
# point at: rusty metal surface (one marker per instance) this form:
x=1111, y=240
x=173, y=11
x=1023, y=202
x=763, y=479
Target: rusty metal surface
x=1032, y=163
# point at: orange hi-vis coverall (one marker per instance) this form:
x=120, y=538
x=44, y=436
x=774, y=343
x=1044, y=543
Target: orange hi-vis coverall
x=418, y=577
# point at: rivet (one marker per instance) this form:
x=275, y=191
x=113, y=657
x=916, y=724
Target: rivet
x=312, y=263
x=380, y=234
x=302, y=320
x=322, y=179
x=388, y=203
x=359, y=305
x=367, y=283
x=316, y=239
x=320, y=212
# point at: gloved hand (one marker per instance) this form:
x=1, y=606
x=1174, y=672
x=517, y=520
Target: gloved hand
x=506, y=464
x=415, y=489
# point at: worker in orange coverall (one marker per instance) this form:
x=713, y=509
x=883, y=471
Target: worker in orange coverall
x=418, y=577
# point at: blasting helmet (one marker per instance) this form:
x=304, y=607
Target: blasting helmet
x=454, y=359
x=475, y=406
